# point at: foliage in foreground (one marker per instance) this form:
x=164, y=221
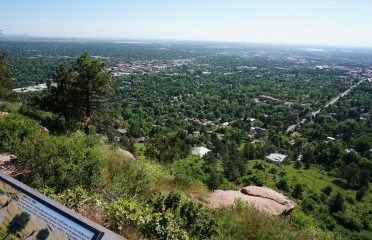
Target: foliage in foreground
x=244, y=222
x=72, y=168
x=170, y=217
x=60, y=162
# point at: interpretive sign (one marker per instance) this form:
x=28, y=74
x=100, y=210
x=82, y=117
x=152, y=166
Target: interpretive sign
x=26, y=214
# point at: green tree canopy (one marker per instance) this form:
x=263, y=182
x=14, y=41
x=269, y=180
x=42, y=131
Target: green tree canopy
x=5, y=77
x=82, y=90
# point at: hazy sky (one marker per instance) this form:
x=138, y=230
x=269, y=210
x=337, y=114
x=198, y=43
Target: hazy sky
x=325, y=22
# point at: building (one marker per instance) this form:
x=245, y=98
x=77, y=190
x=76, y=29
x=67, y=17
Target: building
x=121, y=130
x=139, y=140
x=199, y=151
x=264, y=98
x=276, y=158
x=331, y=138
x=225, y=124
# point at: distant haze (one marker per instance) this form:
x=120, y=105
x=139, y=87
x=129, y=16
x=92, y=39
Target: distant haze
x=315, y=22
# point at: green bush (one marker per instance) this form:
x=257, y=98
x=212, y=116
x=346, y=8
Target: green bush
x=298, y=191
x=170, y=217
x=258, y=179
x=282, y=184
x=127, y=216
x=337, y=203
x=214, y=180
x=124, y=177
x=195, y=219
x=348, y=221
x=362, y=192
x=327, y=190
x=308, y=205
x=189, y=171
x=243, y=222
x=58, y=162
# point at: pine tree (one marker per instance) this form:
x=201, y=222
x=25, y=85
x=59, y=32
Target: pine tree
x=297, y=191
x=82, y=90
x=337, y=203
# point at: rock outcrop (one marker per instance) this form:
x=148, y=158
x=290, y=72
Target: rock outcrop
x=128, y=155
x=5, y=158
x=263, y=199
x=7, y=166
x=3, y=114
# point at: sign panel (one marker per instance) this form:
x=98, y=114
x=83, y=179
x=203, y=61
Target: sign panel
x=25, y=214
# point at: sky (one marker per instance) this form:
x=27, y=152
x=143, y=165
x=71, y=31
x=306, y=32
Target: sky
x=314, y=22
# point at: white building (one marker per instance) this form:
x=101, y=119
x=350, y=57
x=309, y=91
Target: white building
x=199, y=151
x=276, y=158
x=34, y=88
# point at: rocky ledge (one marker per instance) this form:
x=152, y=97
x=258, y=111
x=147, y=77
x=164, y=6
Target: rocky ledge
x=263, y=199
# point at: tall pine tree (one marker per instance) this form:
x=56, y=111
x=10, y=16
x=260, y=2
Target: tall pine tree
x=82, y=90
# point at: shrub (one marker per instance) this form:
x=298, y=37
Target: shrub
x=308, y=205
x=189, y=171
x=336, y=203
x=240, y=223
x=214, y=180
x=297, y=191
x=124, y=177
x=59, y=162
x=327, y=190
x=170, y=217
x=273, y=170
x=167, y=148
x=80, y=200
x=258, y=179
x=282, y=184
x=196, y=220
x=126, y=217
x=297, y=165
x=348, y=221
x=259, y=166
x=361, y=193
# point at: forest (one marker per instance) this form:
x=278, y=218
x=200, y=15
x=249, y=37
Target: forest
x=118, y=148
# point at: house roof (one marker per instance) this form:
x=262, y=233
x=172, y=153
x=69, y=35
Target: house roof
x=121, y=130
x=276, y=157
x=200, y=151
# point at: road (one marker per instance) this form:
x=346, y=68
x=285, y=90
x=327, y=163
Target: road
x=330, y=103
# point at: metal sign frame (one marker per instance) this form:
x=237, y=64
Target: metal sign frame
x=100, y=233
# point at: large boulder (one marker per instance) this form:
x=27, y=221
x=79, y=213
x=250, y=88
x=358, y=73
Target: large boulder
x=265, y=192
x=128, y=155
x=7, y=165
x=4, y=158
x=4, y=114
x=263, y=199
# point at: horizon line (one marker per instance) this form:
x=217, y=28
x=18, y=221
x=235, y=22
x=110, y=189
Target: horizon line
x=92, y=39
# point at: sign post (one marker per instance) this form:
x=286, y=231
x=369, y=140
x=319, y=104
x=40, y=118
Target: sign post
x=27, y=214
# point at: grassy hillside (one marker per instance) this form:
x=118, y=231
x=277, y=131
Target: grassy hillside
x=135, y=198
x=318, y=190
